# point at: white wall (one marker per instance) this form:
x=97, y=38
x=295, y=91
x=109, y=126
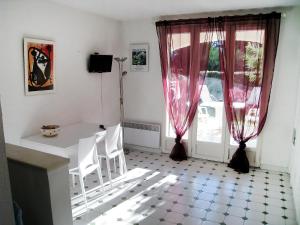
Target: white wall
x=277, y=133
x=143, y=91
x=77, y=97
x=78, y=93
x=144, y=96
x=295, y=153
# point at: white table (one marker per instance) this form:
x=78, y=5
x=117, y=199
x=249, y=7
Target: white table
x=64, y=144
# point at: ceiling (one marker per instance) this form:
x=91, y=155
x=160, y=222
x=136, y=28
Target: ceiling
x=136, y=9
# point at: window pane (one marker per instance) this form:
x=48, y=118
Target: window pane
x=210, y=108
x=170, y=131
x=180, y=43
x=247, y=81
x=181, y=40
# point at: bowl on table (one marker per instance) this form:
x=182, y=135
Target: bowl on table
x=50, y=130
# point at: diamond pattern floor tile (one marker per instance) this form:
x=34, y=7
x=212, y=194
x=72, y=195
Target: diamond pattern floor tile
x=159, y=191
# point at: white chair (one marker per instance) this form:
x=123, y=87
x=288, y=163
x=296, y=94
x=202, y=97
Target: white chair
x=87, y=162
x=112, y=147
x=203, y=114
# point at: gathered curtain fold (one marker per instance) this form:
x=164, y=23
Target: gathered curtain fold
x=248, y=46
x=184, y=62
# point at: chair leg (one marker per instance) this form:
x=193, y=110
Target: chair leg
x=121, y=169
x=83, y=190
x=108, y=171
x=73, y=180
x=124, y=163
x=100, y=176
x=115, y=166
x=100, y=162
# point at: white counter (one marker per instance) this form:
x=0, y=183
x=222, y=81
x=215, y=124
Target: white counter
x=62, y=144
x=57, y=150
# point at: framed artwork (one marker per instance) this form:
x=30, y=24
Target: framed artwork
x=39, y=66
x=139, y=57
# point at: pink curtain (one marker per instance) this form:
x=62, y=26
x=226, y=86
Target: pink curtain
x=184, y=61
x=248, y=46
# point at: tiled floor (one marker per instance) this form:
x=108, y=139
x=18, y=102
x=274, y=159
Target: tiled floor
x=159, y=191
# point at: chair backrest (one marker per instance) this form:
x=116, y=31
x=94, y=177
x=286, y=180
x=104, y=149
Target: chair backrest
x=113, y=138
x=87, y=154
x=100, y=136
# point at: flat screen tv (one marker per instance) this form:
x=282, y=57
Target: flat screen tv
x=99, y=63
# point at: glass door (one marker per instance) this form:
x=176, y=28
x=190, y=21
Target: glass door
x=210, y=134
x=209, y=125
x=211, y=137
x=249, y=54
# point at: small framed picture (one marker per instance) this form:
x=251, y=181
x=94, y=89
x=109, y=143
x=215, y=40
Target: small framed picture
x=39, y=59
x=139, y=57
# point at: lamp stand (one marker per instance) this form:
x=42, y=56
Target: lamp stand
x=121, y=74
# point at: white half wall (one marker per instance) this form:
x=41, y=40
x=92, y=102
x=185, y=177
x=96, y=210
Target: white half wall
x=144, y=94
x=77, y=34
x=6, y=202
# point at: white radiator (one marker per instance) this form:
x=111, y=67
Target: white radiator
x=142, y=134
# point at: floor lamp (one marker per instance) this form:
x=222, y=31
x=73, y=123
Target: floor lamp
x=121, y=74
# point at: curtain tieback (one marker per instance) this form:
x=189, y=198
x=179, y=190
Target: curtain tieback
x=242, y=145
x=178, y=139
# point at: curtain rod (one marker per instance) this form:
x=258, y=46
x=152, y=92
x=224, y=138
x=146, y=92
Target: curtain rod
x=282, y=10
